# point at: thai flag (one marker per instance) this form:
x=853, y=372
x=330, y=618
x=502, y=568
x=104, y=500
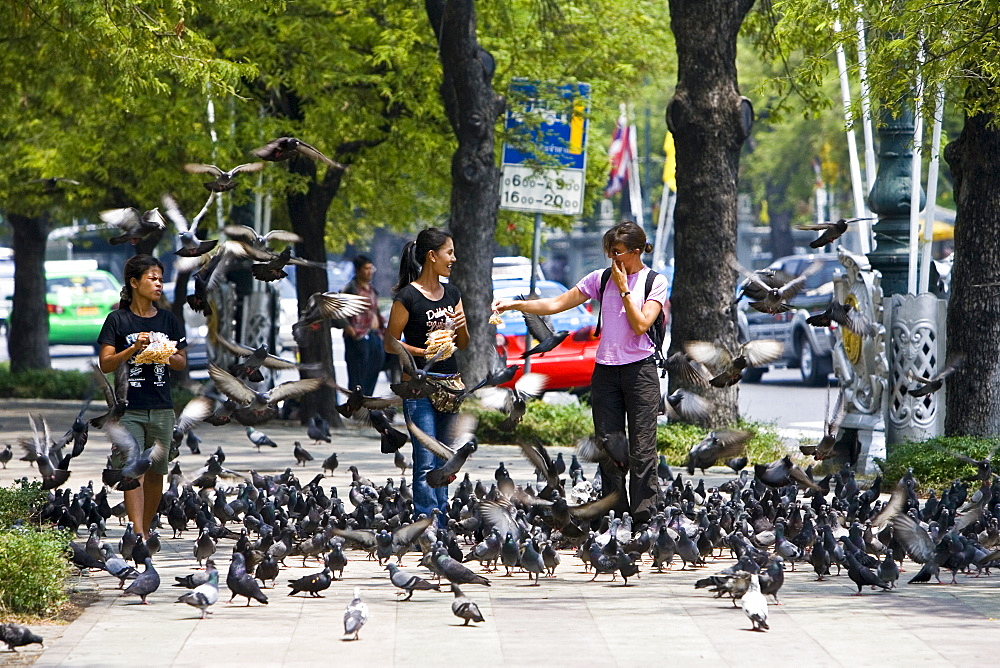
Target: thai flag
x=620, y=156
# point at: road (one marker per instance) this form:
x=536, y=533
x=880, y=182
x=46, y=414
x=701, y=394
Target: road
x=780, y=397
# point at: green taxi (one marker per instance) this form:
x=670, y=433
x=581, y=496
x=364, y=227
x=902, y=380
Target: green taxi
x=79, y=297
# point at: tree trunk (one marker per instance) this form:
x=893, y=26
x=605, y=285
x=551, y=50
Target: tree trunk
x=709, y=122
x=472, y=107
x=307, y=212
x=28, y=332
x=973, y=402
x=780, y=211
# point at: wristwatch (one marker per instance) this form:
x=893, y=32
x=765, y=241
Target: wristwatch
x=626, y=294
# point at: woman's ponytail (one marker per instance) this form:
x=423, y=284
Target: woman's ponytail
x=411, y=259
x=409, y=266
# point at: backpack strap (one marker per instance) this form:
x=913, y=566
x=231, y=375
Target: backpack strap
x=656, y=330
x=605, y=277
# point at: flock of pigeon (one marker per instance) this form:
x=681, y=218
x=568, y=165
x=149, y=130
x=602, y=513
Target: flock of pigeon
x=780, y=514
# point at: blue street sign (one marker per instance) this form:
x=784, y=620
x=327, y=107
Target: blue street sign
x=562, y=131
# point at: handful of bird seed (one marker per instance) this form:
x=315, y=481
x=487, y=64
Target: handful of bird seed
x=440, y=341
x=495, y=318
x=158, y=351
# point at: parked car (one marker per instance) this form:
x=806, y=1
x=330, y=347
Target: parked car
x=570, y=365
x=808, y=348
x=79, y=297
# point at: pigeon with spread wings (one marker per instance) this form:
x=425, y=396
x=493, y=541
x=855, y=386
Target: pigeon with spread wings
x=720, y=444
x=684, y=406
x=463, y=444
x=498, y=374
x=929, y=385
x=258, y=401
x=249, y=368
x=134, y=226
x=357, y=402
x=224, y=180
x=728, y=366
x=831, y=426
x=773, y=299
x=191, y=245
x=846, y=316
x=268, y=265
x=134, y=460
x=513, y=401
x=37, y=449
x=543, y=334
x=332, y=306
x=284, y=148
x=249, y=236
x=115, y=395
x=831, y=231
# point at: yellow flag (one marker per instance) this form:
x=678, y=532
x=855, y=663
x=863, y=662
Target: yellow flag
x=669, y=162
x=765, y=215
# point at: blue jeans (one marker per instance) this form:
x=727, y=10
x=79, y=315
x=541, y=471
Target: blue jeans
x=438, y=425
x=365, y=358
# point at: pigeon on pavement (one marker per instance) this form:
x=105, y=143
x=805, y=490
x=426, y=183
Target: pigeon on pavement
x=203, y=596
x=463, y=608
x=355, y=615
x=409, y=583
x=145, y=583
x=755, y=605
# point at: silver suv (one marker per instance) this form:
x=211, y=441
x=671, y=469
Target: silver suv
x=806, y=347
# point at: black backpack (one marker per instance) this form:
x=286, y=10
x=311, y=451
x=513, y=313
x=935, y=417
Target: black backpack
x=656, y=332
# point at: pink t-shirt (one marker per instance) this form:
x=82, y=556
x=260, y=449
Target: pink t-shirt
x=619, y=344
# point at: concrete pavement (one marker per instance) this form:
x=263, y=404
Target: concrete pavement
x=658, y=619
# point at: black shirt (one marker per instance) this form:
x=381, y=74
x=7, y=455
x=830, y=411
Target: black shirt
x=148, y=384
x=426, y=316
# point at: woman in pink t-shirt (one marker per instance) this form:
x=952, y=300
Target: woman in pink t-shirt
x=625, y=387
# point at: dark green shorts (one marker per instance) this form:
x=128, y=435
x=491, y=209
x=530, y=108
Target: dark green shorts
x=148, y=427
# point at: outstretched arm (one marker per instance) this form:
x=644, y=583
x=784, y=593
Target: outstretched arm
x=549, y=305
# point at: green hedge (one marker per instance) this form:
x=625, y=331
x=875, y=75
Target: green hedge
x=21, y=501
x=43, y=384
x=932, y=467
x=33, y=569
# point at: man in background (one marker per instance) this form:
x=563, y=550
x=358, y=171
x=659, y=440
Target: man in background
x=363, y=348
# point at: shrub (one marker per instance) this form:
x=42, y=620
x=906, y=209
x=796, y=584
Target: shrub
x=43, y=384
x=932, y=466
x=675, y=439
x=550, y=424
x=22, y=501
x=33, y=568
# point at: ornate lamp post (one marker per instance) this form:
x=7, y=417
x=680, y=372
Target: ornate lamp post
x=914, y=324
x=890, y=199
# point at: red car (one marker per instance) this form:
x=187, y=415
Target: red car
x=568, y=367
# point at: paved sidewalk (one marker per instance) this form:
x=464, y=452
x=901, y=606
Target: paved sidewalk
x=660, y=619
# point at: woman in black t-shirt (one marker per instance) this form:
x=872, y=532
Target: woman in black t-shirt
x=424, y=304
x=150, y=413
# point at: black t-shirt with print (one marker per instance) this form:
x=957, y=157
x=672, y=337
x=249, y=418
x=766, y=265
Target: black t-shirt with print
x=148, y=384
x=426, y=316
